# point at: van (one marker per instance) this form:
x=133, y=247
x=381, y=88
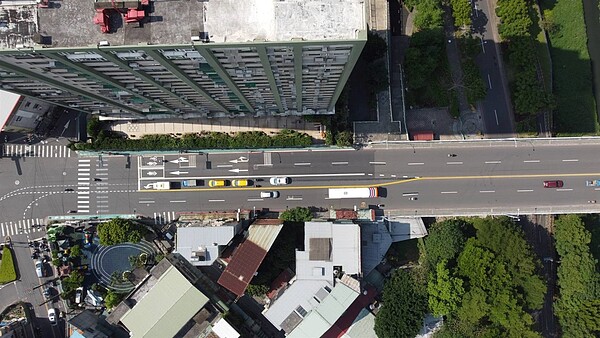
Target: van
x=39, y=269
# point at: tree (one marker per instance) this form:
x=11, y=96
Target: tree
x=94, y=126
x=404, y=306
x=71, y=282
x=429, y=14
x=297, y=214
x=446, y=239
x=578, y=306
x=257, y=290
x=119, y=230
x=75, y=251
x=461, y=11
x=445, y=291
x=112, y=299
x=343, y=139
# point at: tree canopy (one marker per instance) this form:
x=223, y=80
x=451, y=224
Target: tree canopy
x=578, y=307
x=461, y=11
x=120, y=230
x=297, y=214
x=445, y=241
x=404, y=306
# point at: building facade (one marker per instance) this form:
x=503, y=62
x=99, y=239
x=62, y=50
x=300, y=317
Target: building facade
x=183, y=59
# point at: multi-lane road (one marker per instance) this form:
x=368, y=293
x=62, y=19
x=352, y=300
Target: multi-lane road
x=484, y=178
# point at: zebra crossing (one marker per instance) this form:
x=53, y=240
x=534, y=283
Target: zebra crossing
x=164, y=217
x=24, y=226
x=102, y=187
x=83, y=185
x=25, y=150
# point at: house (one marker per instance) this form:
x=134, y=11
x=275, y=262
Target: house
x=89, y=325
x=21, y=114
x=167, y=303
x=246, y=259
x=324, y=286
x=201, y=237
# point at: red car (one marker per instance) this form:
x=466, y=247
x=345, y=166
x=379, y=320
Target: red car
x=553, y=184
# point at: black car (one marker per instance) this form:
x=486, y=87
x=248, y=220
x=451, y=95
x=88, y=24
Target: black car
x=34, y=256
x=68, y=189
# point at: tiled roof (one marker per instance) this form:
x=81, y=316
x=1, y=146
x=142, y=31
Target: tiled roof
x=244, y=264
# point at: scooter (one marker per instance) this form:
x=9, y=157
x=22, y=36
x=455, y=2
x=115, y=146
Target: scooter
x=451, y=155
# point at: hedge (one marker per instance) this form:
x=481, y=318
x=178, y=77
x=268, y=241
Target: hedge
x=7, y=267
x=206, y=140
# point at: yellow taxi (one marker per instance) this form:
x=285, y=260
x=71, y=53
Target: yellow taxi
x=217, y=183
x=240, y=183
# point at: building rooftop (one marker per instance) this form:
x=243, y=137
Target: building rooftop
x=201, y=244
x=244, y=264
x=71, y=23
x=179, y=301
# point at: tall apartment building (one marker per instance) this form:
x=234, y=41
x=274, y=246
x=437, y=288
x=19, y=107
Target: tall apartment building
x=182, y=58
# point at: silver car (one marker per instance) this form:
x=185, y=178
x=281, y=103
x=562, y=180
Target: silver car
x=39, y=269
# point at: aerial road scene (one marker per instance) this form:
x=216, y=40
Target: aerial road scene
x=299, y=168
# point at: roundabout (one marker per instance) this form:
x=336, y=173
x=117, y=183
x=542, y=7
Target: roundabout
x=107, y=260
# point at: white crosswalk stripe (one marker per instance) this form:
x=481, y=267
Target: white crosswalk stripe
x=83, y=186
x=164, y=217
x=24, y=226
x=36, y=150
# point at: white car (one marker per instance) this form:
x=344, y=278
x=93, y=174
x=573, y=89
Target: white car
x=269, y=194
x=52, y=317
x=78, y=294
x=280, y=180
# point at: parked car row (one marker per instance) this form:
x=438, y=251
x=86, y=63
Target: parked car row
x=246, y=183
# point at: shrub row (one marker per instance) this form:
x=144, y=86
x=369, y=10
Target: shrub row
x=206, y=140
x=7, y=268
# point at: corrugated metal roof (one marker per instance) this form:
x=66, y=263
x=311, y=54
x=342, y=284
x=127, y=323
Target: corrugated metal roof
x=244, y=264
x=165, y=308
x=264, y=235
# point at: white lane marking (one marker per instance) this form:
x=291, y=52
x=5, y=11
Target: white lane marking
x=339, y=163
x=496, y=114
x=84, y=160
x=216, y=200
x=393, y=175
x=293, y=198
x=378, y=163
x=490, y=81
x=83, y=202
x=83, y=174
x=571, y=160
x=142, y=202
x=486, y=191
x=261, y=176
x=255, y=199
x=531, y=161
x=454, y=163
x=177, y=201
x=83, y=165
x=416, y=163
x=564, y=189
x=449, y=192
x=83, y=169
x=87, y=187
x=302, y=163
x=493, y=162
x=224, y=165
x=83, y=193
x=524, y=190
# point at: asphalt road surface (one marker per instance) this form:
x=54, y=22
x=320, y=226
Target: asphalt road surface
x=498, y=179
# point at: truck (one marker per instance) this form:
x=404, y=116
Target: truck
x=158, y=186
x=336, y=193
x=592, y=183
x=189, y=183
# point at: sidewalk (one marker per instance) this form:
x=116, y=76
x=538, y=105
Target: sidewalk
x=178, y=127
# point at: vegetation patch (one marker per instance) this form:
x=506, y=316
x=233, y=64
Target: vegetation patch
x=112, y=141
x=120, y=230
x=297, y=214
x=578, y=306
x=571, y=66
x=7, y=267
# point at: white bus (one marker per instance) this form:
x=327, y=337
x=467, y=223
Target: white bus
x=354, y=193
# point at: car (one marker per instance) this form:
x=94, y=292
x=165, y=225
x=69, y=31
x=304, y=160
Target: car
x=72, y=212
x=269, y=194
x=47, y=292
x=553, y=184
x=39, y=268
x=240, y=183
x=280, y=180
x=34, y=256
x=69, y=189
x=52, y=317
x=78, y=295
x=217, y=183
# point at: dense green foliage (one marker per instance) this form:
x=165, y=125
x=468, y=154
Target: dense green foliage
x=7, y=266
x=429, y=15
x=475, y=88
x=297, y=214
x=404, y=306
x=205, y=140
x=572, y=72
x=120, y=230
x=461, y=11
x=257, y=290
x=71, y=282
x=578, y=306
x=94, y=127
x=446, y=239
x=486, y=286
x=112, y=299
x=75, y=251
x=516, y=25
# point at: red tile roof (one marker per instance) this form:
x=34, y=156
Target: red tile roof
x=244, y=264
x=342, y=325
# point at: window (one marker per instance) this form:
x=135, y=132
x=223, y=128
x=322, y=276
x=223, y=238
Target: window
x=301, y=310
x=27, y=104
